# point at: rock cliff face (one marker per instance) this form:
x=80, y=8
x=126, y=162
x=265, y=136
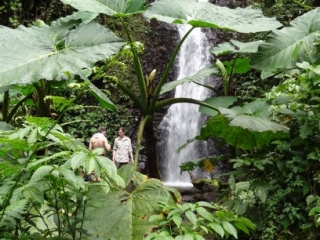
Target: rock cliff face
x=160, y=45
x=163, y=39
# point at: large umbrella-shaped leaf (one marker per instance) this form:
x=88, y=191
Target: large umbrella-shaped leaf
x=239, y=137
x=252, y=116
x=235, y=46
x=238, y=65
x=124, y=215
x=77, y=17
x=30, y=54
x=284, y=48
x=250, y=122
x=245, y=20
x=244, y=127
x=224, y=101
x=109, y=7
x=257, y=108
x=199, y=76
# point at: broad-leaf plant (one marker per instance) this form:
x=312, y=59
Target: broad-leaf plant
x=275, y=181
x=191, y=12
x=41, y=194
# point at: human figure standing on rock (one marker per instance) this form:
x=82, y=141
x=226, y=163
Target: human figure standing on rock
x=122, y=149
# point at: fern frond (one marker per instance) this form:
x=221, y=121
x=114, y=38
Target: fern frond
x=14, y=211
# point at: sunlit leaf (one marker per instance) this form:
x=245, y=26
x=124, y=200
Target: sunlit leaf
x=201, y=14
x=219, y=127
x=191, y=217
x=238, y=65
x=225, y=101
x=205, y=213
x=38, y=54
x=235, y=46
x=129, y=212
x=198, y=77
x=290, y=45
x=230, y=229
x=40, y=173
x=217, y=228
x=109, y=7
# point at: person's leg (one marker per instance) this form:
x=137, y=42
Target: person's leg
x=120, y=164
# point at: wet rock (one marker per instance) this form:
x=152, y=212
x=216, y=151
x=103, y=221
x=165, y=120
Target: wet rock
x=204, y=191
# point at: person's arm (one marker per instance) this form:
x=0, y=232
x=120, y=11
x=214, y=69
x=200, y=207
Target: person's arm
x=114, y=155
x=131, y=156
x=90, y=145
x=107, y=145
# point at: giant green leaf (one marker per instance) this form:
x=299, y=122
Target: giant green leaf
x=235, y=46
x=223, y=101
x=284, y=48
x=199, y=76
x=123, y=215
x=237, y=65
x=47, y=52
x=239, y=137
x=245, y=20
x=5, y=126
x=253, y=123
x=76, y=17
x=244, y=127
x=109, y=7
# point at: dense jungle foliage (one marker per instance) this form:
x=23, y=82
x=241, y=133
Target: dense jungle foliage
x=68, y=66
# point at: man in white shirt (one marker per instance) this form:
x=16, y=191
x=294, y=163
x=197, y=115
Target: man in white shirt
x=122, y=149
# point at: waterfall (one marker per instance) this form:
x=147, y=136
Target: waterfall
x=183, y=121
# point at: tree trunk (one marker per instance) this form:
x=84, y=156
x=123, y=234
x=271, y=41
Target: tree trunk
x=152, y=164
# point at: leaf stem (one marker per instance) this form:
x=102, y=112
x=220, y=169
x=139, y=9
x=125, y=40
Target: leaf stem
x=137, y=64
x=166, y=72
x=42, y=218
x=171, y=101
x=142, y=125
x=57, y=211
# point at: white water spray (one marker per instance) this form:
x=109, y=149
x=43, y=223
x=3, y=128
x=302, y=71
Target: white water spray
x=183, y=121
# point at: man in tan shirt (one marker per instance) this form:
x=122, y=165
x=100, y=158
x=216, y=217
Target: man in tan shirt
x=99, y=140
x=122, y=149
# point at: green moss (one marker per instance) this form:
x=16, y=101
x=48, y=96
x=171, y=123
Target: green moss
x=206, y=183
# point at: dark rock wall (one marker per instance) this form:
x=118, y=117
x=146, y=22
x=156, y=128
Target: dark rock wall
x=158, y=50
x=160, y=45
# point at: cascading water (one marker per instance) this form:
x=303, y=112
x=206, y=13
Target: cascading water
x=183, y=121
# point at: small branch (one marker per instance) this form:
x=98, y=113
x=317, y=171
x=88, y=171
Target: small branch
x=42, y=218
x=138, y=67
x=170, y=101
x=142, y=125
x=209, y=87
x=5, y=107
x=166, y=72
x=57, y=211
